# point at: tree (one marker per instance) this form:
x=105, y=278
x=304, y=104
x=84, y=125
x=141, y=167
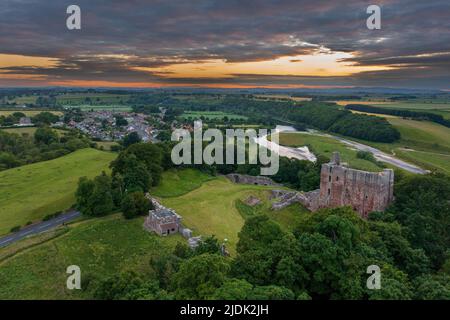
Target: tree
x=271, y=293
x=44, y=118
x=8, y=160
x=83, y=195
x=101, y=200
x=121, y=121
x=129, y=285
x=422, y=206
x=209, y=245
x=135, y=204
x=430, y=287
x=257, y=232
x=136, y=176
x=45, y=135
x=200, y=276
x=94, y=197
x=130, y=139
x=234, y=289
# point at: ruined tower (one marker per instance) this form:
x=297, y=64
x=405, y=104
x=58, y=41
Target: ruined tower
x=363, y=191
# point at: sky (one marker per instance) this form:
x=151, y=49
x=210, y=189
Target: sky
x=225, y=44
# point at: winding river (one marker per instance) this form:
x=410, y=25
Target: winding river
x=303, y=153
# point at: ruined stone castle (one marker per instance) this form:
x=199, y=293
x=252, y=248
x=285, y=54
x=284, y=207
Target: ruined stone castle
x=363, y=191
x=342, y=186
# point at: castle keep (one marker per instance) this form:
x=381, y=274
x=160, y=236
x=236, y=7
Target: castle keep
x=363, y=191
x=342, y=186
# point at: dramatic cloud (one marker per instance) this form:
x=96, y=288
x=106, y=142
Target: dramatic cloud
x=157, y=42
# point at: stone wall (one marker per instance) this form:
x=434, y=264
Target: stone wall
x=285, y=198
x=255, y=180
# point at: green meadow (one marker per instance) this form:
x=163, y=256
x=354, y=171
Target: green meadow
x=30, y=192
x=100, y=247
x=211, y=209
x=28, y=130
x=178, y=182
x=424, y=143
x=326, y=146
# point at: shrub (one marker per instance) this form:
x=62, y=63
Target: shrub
x=15, y=229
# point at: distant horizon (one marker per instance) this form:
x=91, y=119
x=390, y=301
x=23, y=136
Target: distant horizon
x=261, y=88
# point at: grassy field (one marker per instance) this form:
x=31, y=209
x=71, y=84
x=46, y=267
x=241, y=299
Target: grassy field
x=326, y=146
x=28, y=113
x=28, y=130
x=210, y=115
x=413, y=105
x=78, y=98
x=30, y=192
x=100, y=247
x=178, y=182
x=95, y=98
x=106, y=144
x=433, y=106
x=211, y=209
x=424, y=143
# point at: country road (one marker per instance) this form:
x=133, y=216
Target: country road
x=38, y=228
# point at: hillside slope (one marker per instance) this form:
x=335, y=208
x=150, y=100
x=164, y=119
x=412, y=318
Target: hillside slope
x=30, y=192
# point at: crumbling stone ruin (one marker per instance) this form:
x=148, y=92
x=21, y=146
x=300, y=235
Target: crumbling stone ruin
x=286, y=198
x=164, y=221
x=342, y=186
x=363, y=191
x=255, y=180
x=252, y=201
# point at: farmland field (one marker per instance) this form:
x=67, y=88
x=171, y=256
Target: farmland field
x=437, y=107
x=28, y=113
x=77, y=98
x=30, y=192
x=211, y=115
x=28, y=130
